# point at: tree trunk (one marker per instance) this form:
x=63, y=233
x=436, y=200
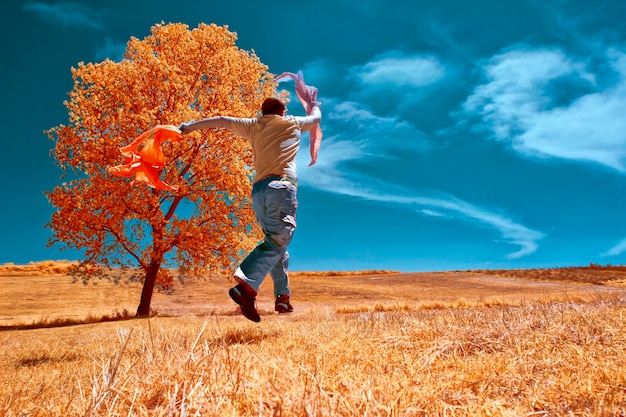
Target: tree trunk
x=148, y=287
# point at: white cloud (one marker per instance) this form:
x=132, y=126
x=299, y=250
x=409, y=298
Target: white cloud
x=331, y=174
x=448, y=206
x=397, y=68
x=375, y=134
x=519, y=102
x=511, y=232
x=352, y=111
x=432, y=213
x=66, y=13
x=326, y=173
x=617, y=249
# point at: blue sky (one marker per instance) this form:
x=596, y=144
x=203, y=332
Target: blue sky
x=457, y=135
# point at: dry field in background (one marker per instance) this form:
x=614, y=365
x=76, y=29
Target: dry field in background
x=363, y=344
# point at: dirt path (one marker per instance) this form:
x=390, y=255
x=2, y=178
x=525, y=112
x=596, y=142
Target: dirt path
x=311, y=294
x=27, y=299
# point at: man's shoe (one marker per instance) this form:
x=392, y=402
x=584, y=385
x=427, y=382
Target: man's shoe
x=282, y=304
x=245, y=297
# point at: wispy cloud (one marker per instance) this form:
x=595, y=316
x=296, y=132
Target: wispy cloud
x=616, y=250
x=359, y=136
x=334, y=174
x=336, y=181
x=374, y=133
x=66, y=14
x=404, y=84
x=398, y=68
x=456, y=209
x=431, y=213
x=550, y=105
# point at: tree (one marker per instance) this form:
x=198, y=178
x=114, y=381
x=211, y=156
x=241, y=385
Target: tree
x=173, y=75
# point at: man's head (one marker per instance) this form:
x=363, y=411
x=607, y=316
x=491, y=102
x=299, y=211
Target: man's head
x=273, y=105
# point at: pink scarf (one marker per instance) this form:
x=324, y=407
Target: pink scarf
x=145, y=159
x=307, y=96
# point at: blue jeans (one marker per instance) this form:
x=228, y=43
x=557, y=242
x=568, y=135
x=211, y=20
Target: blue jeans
x=274, y=201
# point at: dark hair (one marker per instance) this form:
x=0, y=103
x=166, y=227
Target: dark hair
x=273, y=105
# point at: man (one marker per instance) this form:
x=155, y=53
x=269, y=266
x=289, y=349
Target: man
x=275, y=140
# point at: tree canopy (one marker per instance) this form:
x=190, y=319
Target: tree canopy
x=171, y=76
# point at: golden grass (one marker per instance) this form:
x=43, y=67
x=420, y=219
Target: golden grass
x=29, y=298
x=594, y=274
x=559, y=359
x=440, y=344
x=38, y=268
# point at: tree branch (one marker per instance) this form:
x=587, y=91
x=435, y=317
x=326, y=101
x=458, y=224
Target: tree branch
x=124, y=245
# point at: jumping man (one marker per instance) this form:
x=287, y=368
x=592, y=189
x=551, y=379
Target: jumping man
x=275, y=140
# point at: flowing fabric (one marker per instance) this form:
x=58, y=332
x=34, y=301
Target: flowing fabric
x=145, y=159
x=307, y=95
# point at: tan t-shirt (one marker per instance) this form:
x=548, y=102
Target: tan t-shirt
x=275, y=142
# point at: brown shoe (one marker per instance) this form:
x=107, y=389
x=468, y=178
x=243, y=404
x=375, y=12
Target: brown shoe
x=282, y=304
x=245, y=296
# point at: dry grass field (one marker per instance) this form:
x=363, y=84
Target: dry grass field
x=378, y=343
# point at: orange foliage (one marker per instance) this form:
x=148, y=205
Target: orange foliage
x=172, y=76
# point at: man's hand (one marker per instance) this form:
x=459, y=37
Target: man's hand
x=185, y=128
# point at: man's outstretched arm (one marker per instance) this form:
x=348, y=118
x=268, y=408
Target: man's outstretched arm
x=208, y=123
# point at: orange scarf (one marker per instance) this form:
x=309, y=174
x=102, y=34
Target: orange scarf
x=145, y=159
